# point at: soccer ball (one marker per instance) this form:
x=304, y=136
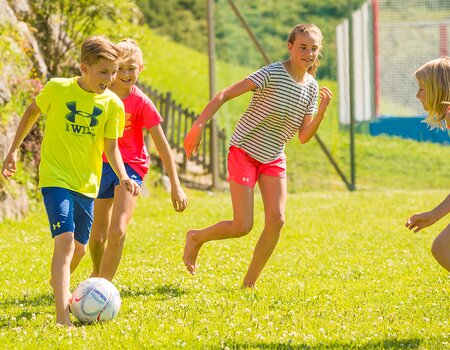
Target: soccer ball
x=95, y=299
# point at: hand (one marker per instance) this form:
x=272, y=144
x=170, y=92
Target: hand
x=131, y=186
x=9, y=165
x=192, y=140
x=179, y=199
x=325, y=97
x=419, y=221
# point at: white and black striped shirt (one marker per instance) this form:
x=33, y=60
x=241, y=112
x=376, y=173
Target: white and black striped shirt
x=275, y=112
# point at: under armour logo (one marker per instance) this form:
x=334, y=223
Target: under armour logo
x=246, y=179
x=57, y=225
x=72, y=106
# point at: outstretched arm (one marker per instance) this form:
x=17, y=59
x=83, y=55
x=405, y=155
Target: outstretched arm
x=115, y=160
x=428, y=218
x=419, y=221
x=311, y=124
x=194, y=136
x=179, y=198
x=26, y=122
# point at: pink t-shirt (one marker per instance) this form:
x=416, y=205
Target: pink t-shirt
x=140, y=113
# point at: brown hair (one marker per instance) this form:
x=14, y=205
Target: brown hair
x=98, y=47
x=129, y=48
x=306, y=28
x=435, y=75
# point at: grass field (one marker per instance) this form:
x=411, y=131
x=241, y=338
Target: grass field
x=346, y=274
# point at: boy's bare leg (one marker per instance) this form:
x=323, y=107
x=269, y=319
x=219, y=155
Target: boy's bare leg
x=441, y=248
x=123, y=208
x=62, y=255
x=99, y=232
x=274, y=193
x=242, y=223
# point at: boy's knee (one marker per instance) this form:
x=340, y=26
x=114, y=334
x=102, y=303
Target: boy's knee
x=64, y=242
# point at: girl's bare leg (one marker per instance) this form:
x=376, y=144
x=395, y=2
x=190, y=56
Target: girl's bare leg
x=99, y=232
x=123, y=208
x=441, y=248
x=60, y=281
x=274, y=193
x=80, y=251
x=242, y=223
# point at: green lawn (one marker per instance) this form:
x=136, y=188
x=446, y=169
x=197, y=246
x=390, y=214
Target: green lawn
x=346, y=274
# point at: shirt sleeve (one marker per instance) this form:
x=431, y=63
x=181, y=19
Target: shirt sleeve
x=260, y=78
x=150, y=115
x=44, y=98
x=116, y=122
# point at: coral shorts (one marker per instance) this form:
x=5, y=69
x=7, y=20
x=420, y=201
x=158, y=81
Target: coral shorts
x=245, y=170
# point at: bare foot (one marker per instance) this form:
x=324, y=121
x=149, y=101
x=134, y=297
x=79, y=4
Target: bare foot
x=248, y=285
x=65, y=323
x=191, y=249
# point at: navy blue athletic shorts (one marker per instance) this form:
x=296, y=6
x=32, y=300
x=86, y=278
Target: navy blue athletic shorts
x=69, y=211
x=110, y=180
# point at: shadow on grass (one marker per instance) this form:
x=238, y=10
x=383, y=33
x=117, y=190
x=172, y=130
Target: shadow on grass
x=27, y=305
x=163, y=291
x=383, y=344
x=44, y=299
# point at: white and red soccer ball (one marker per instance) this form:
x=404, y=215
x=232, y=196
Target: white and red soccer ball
x=94, y=300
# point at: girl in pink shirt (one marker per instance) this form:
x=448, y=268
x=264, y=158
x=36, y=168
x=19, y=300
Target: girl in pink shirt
x=114, y=207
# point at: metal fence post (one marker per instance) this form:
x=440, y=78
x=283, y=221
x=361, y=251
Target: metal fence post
x=214, y=154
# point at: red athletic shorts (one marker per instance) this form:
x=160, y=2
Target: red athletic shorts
x=245, y=170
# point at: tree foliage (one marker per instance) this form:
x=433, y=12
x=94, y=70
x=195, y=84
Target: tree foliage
x=62, y=25
x=271, y=21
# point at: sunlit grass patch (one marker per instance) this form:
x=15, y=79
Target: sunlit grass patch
x=345, y=274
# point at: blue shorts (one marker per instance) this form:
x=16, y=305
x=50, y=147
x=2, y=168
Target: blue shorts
x=69, y=211
x=110, y=180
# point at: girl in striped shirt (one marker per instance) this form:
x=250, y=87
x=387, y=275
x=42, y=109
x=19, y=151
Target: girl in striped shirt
x=434, y=93
x=284, y=103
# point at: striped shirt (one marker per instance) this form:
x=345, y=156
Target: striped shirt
x=275, y=112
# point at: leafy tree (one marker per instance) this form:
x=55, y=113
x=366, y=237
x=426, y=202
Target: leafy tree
x=62, y=25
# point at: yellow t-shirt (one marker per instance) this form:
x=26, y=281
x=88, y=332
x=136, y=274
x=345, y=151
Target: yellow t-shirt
x=77, y=123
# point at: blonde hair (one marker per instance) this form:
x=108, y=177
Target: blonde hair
x=435, y=75
x=307, y=28
x=128, y=49
x=98, y=47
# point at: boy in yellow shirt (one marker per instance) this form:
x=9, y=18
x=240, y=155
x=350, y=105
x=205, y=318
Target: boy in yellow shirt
x=83, y=119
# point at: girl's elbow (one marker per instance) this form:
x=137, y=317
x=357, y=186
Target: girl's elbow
x=224, y=96
x=221, y=98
